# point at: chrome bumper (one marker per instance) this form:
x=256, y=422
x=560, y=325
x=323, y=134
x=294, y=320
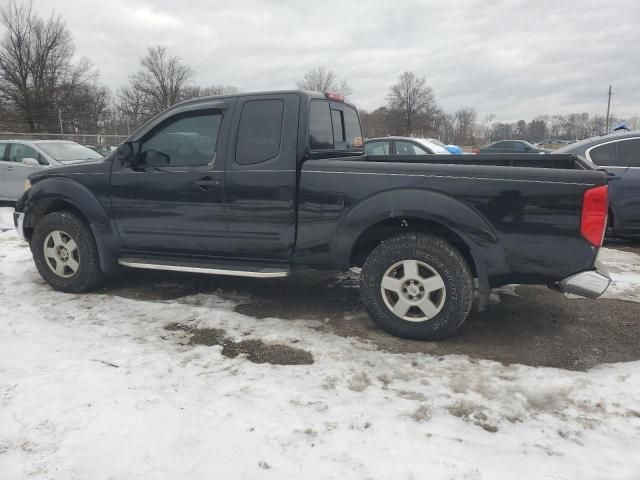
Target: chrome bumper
x=18, y=221
x=590, y=284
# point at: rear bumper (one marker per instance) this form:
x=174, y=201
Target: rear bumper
x=590, y=284
x=18, y=221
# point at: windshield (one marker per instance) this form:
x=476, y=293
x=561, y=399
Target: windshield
x=69, y=151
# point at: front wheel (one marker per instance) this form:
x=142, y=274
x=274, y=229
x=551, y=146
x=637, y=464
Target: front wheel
x=65, y=252
x=417, y=286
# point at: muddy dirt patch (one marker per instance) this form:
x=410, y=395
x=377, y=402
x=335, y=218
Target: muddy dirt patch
x=256, y=350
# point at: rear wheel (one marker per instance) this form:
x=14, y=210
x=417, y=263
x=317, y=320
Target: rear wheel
x=417, y=286
x=65, y=252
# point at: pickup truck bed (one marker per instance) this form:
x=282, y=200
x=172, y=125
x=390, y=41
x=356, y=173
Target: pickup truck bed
x=504, y=217
x=259, y=184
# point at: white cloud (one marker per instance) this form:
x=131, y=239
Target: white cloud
x=517, y=59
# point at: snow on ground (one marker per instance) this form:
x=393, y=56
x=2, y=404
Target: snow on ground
x=94, y=387
x=625, y=274
x=6, y=218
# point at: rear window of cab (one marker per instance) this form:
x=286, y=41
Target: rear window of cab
x=334, y=126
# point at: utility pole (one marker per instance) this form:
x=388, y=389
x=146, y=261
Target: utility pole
x=60, y=118
x=606, y=128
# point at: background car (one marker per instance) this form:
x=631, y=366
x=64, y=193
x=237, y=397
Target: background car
x=103, y=150
x=454, y=149
x=512, y=146
x=402, y=146
x=618, y=154
x=20, y=158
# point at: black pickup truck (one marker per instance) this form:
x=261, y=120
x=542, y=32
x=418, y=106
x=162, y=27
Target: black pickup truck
x=258, y=184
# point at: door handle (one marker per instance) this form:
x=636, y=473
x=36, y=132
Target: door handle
x=205, y=183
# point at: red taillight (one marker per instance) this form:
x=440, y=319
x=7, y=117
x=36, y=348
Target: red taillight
x=334, y=96
x=595, y=207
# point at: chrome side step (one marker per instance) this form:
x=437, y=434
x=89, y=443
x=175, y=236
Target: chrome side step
x=219, y=270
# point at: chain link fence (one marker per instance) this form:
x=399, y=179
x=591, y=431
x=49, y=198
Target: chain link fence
x=84, y=139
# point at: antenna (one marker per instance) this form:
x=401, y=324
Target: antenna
x=606, y=128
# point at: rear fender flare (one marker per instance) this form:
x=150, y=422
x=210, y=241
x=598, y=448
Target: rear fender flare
x=468, y=224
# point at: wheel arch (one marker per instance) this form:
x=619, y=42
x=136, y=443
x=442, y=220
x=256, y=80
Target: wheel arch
x=414, y=210
x=58, y=194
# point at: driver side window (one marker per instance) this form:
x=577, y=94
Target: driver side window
x=184, y=140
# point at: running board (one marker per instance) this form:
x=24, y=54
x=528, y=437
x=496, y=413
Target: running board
x=218, y=269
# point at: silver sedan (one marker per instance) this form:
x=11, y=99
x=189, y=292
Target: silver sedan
x=20, y=158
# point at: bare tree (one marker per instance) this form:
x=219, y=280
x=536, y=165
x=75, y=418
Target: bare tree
x=321, y=79
x=161, y=79
x=37, y=74
x=465, y=119
x=87, y=109
x=486, y=127
x=210, y=91
x=413, y=99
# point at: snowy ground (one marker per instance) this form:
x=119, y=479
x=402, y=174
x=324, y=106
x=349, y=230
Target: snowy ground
x=6, y=218
x=95, y=387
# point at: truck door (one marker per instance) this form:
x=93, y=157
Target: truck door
x=171, y=198
x=260, y=178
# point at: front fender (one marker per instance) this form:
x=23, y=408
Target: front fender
x=47, y=192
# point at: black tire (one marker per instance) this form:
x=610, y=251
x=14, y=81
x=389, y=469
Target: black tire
x=440, y=256
x=88, y=274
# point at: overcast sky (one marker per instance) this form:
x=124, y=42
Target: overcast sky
x=517, y=59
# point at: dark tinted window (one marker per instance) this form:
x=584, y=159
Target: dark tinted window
x=3, y=149
x=259, y=131
x=320, y=131
x=184, y=140
x=604, y=155
x=338, y=129
x=353, y=131
x=334, y=128
x=629, y=153
x=377, y=148
x=518, y=147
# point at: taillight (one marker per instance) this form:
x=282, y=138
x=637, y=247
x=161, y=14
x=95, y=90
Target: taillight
x=595, y=207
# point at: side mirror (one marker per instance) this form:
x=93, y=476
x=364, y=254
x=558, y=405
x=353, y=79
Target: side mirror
x=154, y=158
x=125, y=154
x=30, y=162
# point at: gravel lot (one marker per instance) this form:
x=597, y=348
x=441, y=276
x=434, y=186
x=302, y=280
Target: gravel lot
x=530, y=325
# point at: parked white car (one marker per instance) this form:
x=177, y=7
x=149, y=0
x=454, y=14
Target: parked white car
x=403, y=146
x=20, y=158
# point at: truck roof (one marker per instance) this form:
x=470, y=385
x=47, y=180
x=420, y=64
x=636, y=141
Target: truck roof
x=308, y=94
